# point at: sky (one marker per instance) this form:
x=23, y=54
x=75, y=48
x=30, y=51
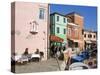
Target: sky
x=88, y=12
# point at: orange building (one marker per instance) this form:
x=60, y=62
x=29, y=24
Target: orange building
x=75, y=30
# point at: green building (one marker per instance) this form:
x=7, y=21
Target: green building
x=58, y=29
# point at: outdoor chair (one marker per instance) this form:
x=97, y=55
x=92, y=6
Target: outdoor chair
x=19, y=59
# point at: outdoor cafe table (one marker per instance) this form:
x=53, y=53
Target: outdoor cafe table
x=35, y=57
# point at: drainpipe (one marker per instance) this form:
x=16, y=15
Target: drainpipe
x=48, y=32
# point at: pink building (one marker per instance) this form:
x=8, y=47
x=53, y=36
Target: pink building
x=30, y=27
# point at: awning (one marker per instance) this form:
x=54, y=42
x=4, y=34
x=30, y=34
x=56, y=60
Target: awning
x=93, y=42
x=56, y=38
x=74, y=40
x=73, y=24
x=88, y=42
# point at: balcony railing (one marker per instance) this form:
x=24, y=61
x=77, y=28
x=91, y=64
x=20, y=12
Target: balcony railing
x=34, y=31
x=34, y=27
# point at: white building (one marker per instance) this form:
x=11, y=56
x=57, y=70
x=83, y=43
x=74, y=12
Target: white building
x=90, y=38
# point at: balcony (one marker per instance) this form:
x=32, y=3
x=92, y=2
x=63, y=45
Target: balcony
x=33, y=32
x=73, y=24
x=33, y=27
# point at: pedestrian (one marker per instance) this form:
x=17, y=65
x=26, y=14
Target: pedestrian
x=55, y=51
x=64, y=48
x=52, y=50
x=67, y=57
x=60, y=49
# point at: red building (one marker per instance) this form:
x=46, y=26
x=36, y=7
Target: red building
x=75, y=30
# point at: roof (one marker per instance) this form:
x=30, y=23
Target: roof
x=57, y=13
x=74, y=13
x=67, y=14
x=85, y=30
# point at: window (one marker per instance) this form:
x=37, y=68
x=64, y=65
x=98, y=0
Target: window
x=76, y=32
x=64, y=31
x=94, y=36
x=57, y=18
x=69, y=31
x=41, y=13
x=64, y=20
x=34, y=27
x=58, y=30
x=89, y=36
x=85, y=35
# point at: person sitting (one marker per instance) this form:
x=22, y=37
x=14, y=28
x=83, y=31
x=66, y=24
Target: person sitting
x=37, y=51
x=41, y=55
x=26, y=52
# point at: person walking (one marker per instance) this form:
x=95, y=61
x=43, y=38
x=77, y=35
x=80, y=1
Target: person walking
x=55, y=51
x=67, y=57
x=52, y=50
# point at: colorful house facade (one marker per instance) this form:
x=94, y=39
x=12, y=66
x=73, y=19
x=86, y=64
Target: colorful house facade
x=33, y=27
x=58, y=26
x=75, y=30
x=90, y=39
x=29, y=27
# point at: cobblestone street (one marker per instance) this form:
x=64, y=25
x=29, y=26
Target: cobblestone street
x=42, y=66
